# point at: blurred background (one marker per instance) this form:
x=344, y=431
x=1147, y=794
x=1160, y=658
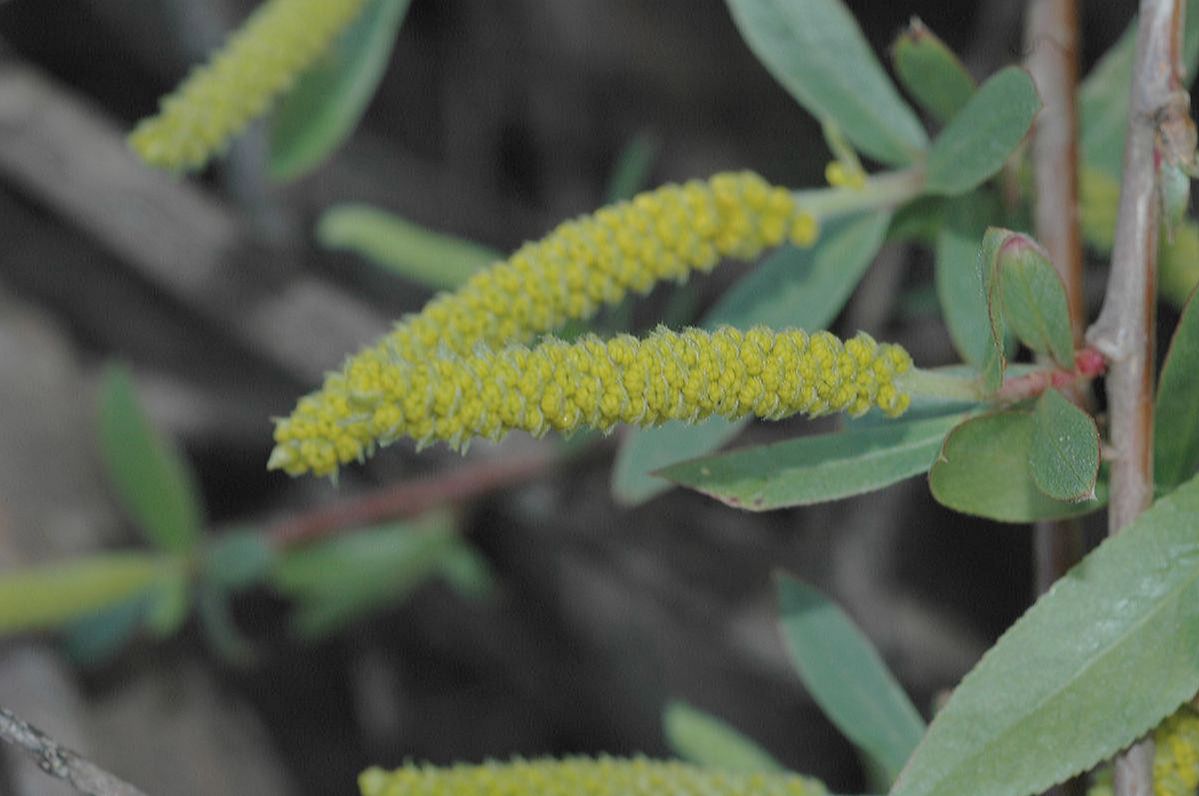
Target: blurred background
x=571, y=620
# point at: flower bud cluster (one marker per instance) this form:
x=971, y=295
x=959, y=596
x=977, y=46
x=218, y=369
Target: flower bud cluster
x=603, y=776
x=592, y=383
x=280, y=40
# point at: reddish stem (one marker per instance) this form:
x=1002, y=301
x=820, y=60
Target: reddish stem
x=409, y=498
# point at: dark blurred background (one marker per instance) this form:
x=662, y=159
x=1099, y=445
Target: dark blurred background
x=495, y=121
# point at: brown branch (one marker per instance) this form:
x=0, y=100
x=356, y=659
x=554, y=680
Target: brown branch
x=1052, y=36
x=410, y=498
x=60, y=762
x=1159, y=130
x=1053, y=61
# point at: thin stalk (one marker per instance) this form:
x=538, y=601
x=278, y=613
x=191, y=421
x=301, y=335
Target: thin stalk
x=1051, y=36
x=1159, y=130
x=411, y=498
x=888, y=189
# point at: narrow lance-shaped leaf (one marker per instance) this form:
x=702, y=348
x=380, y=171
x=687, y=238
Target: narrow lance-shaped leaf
x=803, y=288
x=1099, y=660
x=1176, y=416
x=984, y=470
x=815, y=49
x=701, y=738
x=402, y=247
x=1065, y=449
x=155, y=484
x=961, y=277
x=49, y=595
x=631, y=173
x=817, y=468
x=325, y=106
x=994, y=362
x=931, y=72
x=847, y=677
x=983, y=134
x=1034, y=298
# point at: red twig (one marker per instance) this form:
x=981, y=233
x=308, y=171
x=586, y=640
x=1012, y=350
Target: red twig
x=1159, y=130
x=410, y=498
x=1088, y=363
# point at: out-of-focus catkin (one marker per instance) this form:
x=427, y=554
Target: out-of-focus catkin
x=259, y=62
x=603, y=776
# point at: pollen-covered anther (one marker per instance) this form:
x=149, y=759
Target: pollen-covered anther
x=600, y=776
x=275, y=45
x=593, y=383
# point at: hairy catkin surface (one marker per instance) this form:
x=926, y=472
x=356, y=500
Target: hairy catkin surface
x=259, y=62
x=593, y=383
x=603, y=776
x=583, y=264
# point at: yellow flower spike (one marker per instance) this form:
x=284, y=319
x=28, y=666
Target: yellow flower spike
x=601, y=776
x=1176, y=760
x=261, y=61
x=593, y=383
x=582, y=264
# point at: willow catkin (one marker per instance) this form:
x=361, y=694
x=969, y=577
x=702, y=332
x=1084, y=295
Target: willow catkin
x=602, y=776
x=583, y=264
x=259, y=62
x=592, y=383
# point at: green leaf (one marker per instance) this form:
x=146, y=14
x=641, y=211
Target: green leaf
x=49, y=595
x=962, y=276
x=338, y=581
x=703, y=739
x=1176, y=415
x=152, y=479
x=160, y=607
x=1100, y=659
x=97, y=638
x=221, y=632
x=984, y=470
x=1179, y=264
x=645, y=451
x=846, y=676
x=1065, y=449
x=994, y=362
x=402, y=247
x=1034, y=299
x=1103, y=96
x=930, y=72
x=169, y=603
x=327, y=103
x=238, y=559
x=815, y=49
x=817, y=468
x=802, y=288
x=984, y=134
x=631, y=173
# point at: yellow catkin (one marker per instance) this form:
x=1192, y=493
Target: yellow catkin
x=583, y=264
x=591, y=383
x=280, y=40
x=581, y=776
x=1176, y=761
